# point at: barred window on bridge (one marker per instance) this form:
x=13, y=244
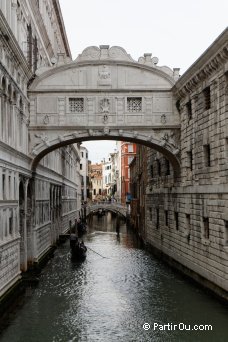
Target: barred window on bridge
x=134, y=104
x=76, y=105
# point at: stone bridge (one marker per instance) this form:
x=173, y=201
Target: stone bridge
x=107, y=206
x=104, y=95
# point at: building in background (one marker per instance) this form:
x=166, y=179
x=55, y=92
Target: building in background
x=118, y=171
x=96, y=181
x=107, y=177
x=115, y=171
x=138, y=186
x=34, y=211
x=128, y=151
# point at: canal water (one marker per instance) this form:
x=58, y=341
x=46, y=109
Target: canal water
x=119, y=293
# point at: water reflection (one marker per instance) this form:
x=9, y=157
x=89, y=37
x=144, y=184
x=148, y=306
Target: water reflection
x=111, y=295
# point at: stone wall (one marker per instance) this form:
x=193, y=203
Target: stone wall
x=187, y=221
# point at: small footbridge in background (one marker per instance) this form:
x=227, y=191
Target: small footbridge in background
x=114, y=207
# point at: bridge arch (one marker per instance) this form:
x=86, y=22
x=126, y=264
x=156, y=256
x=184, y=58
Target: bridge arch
x=169, y=150
x=116, y=208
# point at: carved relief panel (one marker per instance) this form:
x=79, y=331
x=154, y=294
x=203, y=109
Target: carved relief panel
x=104, y=75
x=105, y=110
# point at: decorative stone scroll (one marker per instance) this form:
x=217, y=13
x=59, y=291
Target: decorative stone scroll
x=104, y=52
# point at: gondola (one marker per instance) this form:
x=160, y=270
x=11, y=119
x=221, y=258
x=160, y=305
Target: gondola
x=78, y=251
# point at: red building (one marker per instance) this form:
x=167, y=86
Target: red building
x=128, y=151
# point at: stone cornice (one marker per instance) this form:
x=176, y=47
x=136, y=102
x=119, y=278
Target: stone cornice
x=208, y=63
x=41, y=28
x=59, y=17
x=7, y=35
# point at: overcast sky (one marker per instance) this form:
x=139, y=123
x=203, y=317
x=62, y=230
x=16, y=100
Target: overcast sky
x=175, y=31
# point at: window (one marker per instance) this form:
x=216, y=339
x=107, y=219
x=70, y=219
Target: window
x=134, y=104
x=226, y=233
x=76, y=105
x=158, y=167
x=151, y=171
x=3, y=187
x=157, y=218
x=35, y=54
x=167, y=167
x=29, y=45
x=130, y=148
x=176, y=220
x=189, y=160
x=10, y=190
x=207, y=155
x=206, y=227
x=94, y=192
x=189, y=110
x=150, y=214
x=188, y=222
x=166, y=218
x=207, y=98
x=80, y=166
x=11, y=223
x=99, y=191
x=130, y=159
x=82, y=154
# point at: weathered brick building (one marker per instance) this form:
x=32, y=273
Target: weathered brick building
x=128, y=152
x=138, y=183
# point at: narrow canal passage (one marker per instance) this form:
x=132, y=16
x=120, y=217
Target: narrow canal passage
x=110, y=298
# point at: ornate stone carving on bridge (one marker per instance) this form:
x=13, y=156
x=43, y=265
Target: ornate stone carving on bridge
x=106, y=131
x=46, y=119
x=148, y=60
x=90, y=53
x=42, y=138
x=105, y=108
x=104, y=75
x=163, y=119
x=173, y=139
x=105, y=105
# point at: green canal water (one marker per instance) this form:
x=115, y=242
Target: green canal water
x=110, y=297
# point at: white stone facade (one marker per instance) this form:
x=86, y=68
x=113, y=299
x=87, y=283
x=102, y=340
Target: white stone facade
x=34, y=208
x=96, y=181
x=107, y=177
